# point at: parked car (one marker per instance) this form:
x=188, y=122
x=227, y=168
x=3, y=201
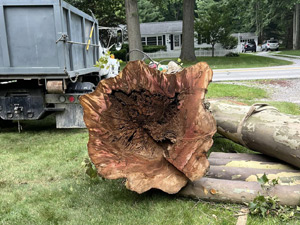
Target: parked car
x=250, y=46
x=270, y=45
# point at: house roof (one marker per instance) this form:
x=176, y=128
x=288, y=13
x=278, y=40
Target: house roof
x=244, y=35
x=167, y=27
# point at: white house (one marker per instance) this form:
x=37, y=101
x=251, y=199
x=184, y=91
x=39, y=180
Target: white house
x=169, y=34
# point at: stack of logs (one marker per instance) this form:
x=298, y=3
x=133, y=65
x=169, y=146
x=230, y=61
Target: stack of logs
x=155, y=130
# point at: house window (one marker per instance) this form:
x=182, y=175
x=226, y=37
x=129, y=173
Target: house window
x=176, y=40
x=159, y=40
x=155, y=40
x=144, y=41
x=151, y=40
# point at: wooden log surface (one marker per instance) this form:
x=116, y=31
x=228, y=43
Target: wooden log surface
x=247, y=167
x=234, y=191
x=264, y=130
x=234, y=182
x=247, y=161
x=149, y=127
x=284, y=176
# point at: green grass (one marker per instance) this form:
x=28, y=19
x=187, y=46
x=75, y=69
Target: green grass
x=216, y=90
x=290, y=52
x=42, y=181
x=243, y=61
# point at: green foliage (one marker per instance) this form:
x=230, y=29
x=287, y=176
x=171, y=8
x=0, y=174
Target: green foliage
x=263, y=180
x=213, y=23
x=121, y=54
x=229, y=42
x=262, y=205
x=232, y=54
x=269, y=205
x=267, y=18
x=158, y=10
x=90, y=169
x=154, y=48
x=149, y=12
x=109, y=12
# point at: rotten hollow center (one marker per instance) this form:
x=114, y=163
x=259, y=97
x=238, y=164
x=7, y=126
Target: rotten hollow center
x=145, y=114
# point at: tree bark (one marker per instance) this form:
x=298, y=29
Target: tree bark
x=188, y=49
x=235, y=191
x=149, y=127
x=133, y=29
x=247, y=167
x=232, y=177
x=267, y=131
x=296, y=27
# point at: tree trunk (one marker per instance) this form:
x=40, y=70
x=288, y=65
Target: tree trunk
x=235, y=180
x=247, y=167
x=213, y=50
x=133, y=29
x=260, y=128
x=188, y=49
x=235, y=191
x=296, y=27
x=150, y=127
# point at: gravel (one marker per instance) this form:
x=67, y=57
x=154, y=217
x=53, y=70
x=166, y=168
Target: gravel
x=287, y=90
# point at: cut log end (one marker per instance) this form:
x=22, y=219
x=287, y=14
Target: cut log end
x=150, y=127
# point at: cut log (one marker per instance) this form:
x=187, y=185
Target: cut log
x=236, y=183
x=150, y=128
x=234, y=191
x=247, y=167
x=288, y=177
x=260, y=128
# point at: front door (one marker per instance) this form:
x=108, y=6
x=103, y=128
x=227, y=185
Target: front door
x=177, y=41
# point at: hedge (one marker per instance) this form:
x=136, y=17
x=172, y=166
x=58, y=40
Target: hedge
x=121, y=54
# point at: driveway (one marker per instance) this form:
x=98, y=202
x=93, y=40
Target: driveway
x=275, y=72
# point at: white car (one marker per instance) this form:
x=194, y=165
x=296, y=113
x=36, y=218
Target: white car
x=270, y=45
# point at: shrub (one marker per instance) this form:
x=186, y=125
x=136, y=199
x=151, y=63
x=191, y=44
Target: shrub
x=229, y=42
x=232, y=54
x=121, y=54
x=154, y=48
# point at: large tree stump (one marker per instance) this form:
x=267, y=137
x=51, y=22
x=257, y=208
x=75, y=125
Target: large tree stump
x=149, y=127
x=260, y=128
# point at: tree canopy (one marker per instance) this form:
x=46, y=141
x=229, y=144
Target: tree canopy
x=109, y=12
x=158, y=10
x=214, y=22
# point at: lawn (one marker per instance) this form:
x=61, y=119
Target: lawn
x=43, y=180
x=290, y=52
x=243, y=61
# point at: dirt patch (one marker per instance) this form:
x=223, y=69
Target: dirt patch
x=281, y=83
x=282, y=90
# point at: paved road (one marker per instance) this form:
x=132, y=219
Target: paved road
x=275, y=72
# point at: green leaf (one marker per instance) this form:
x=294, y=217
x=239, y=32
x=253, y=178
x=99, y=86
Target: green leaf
x=275, y=181
x=263, y=179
